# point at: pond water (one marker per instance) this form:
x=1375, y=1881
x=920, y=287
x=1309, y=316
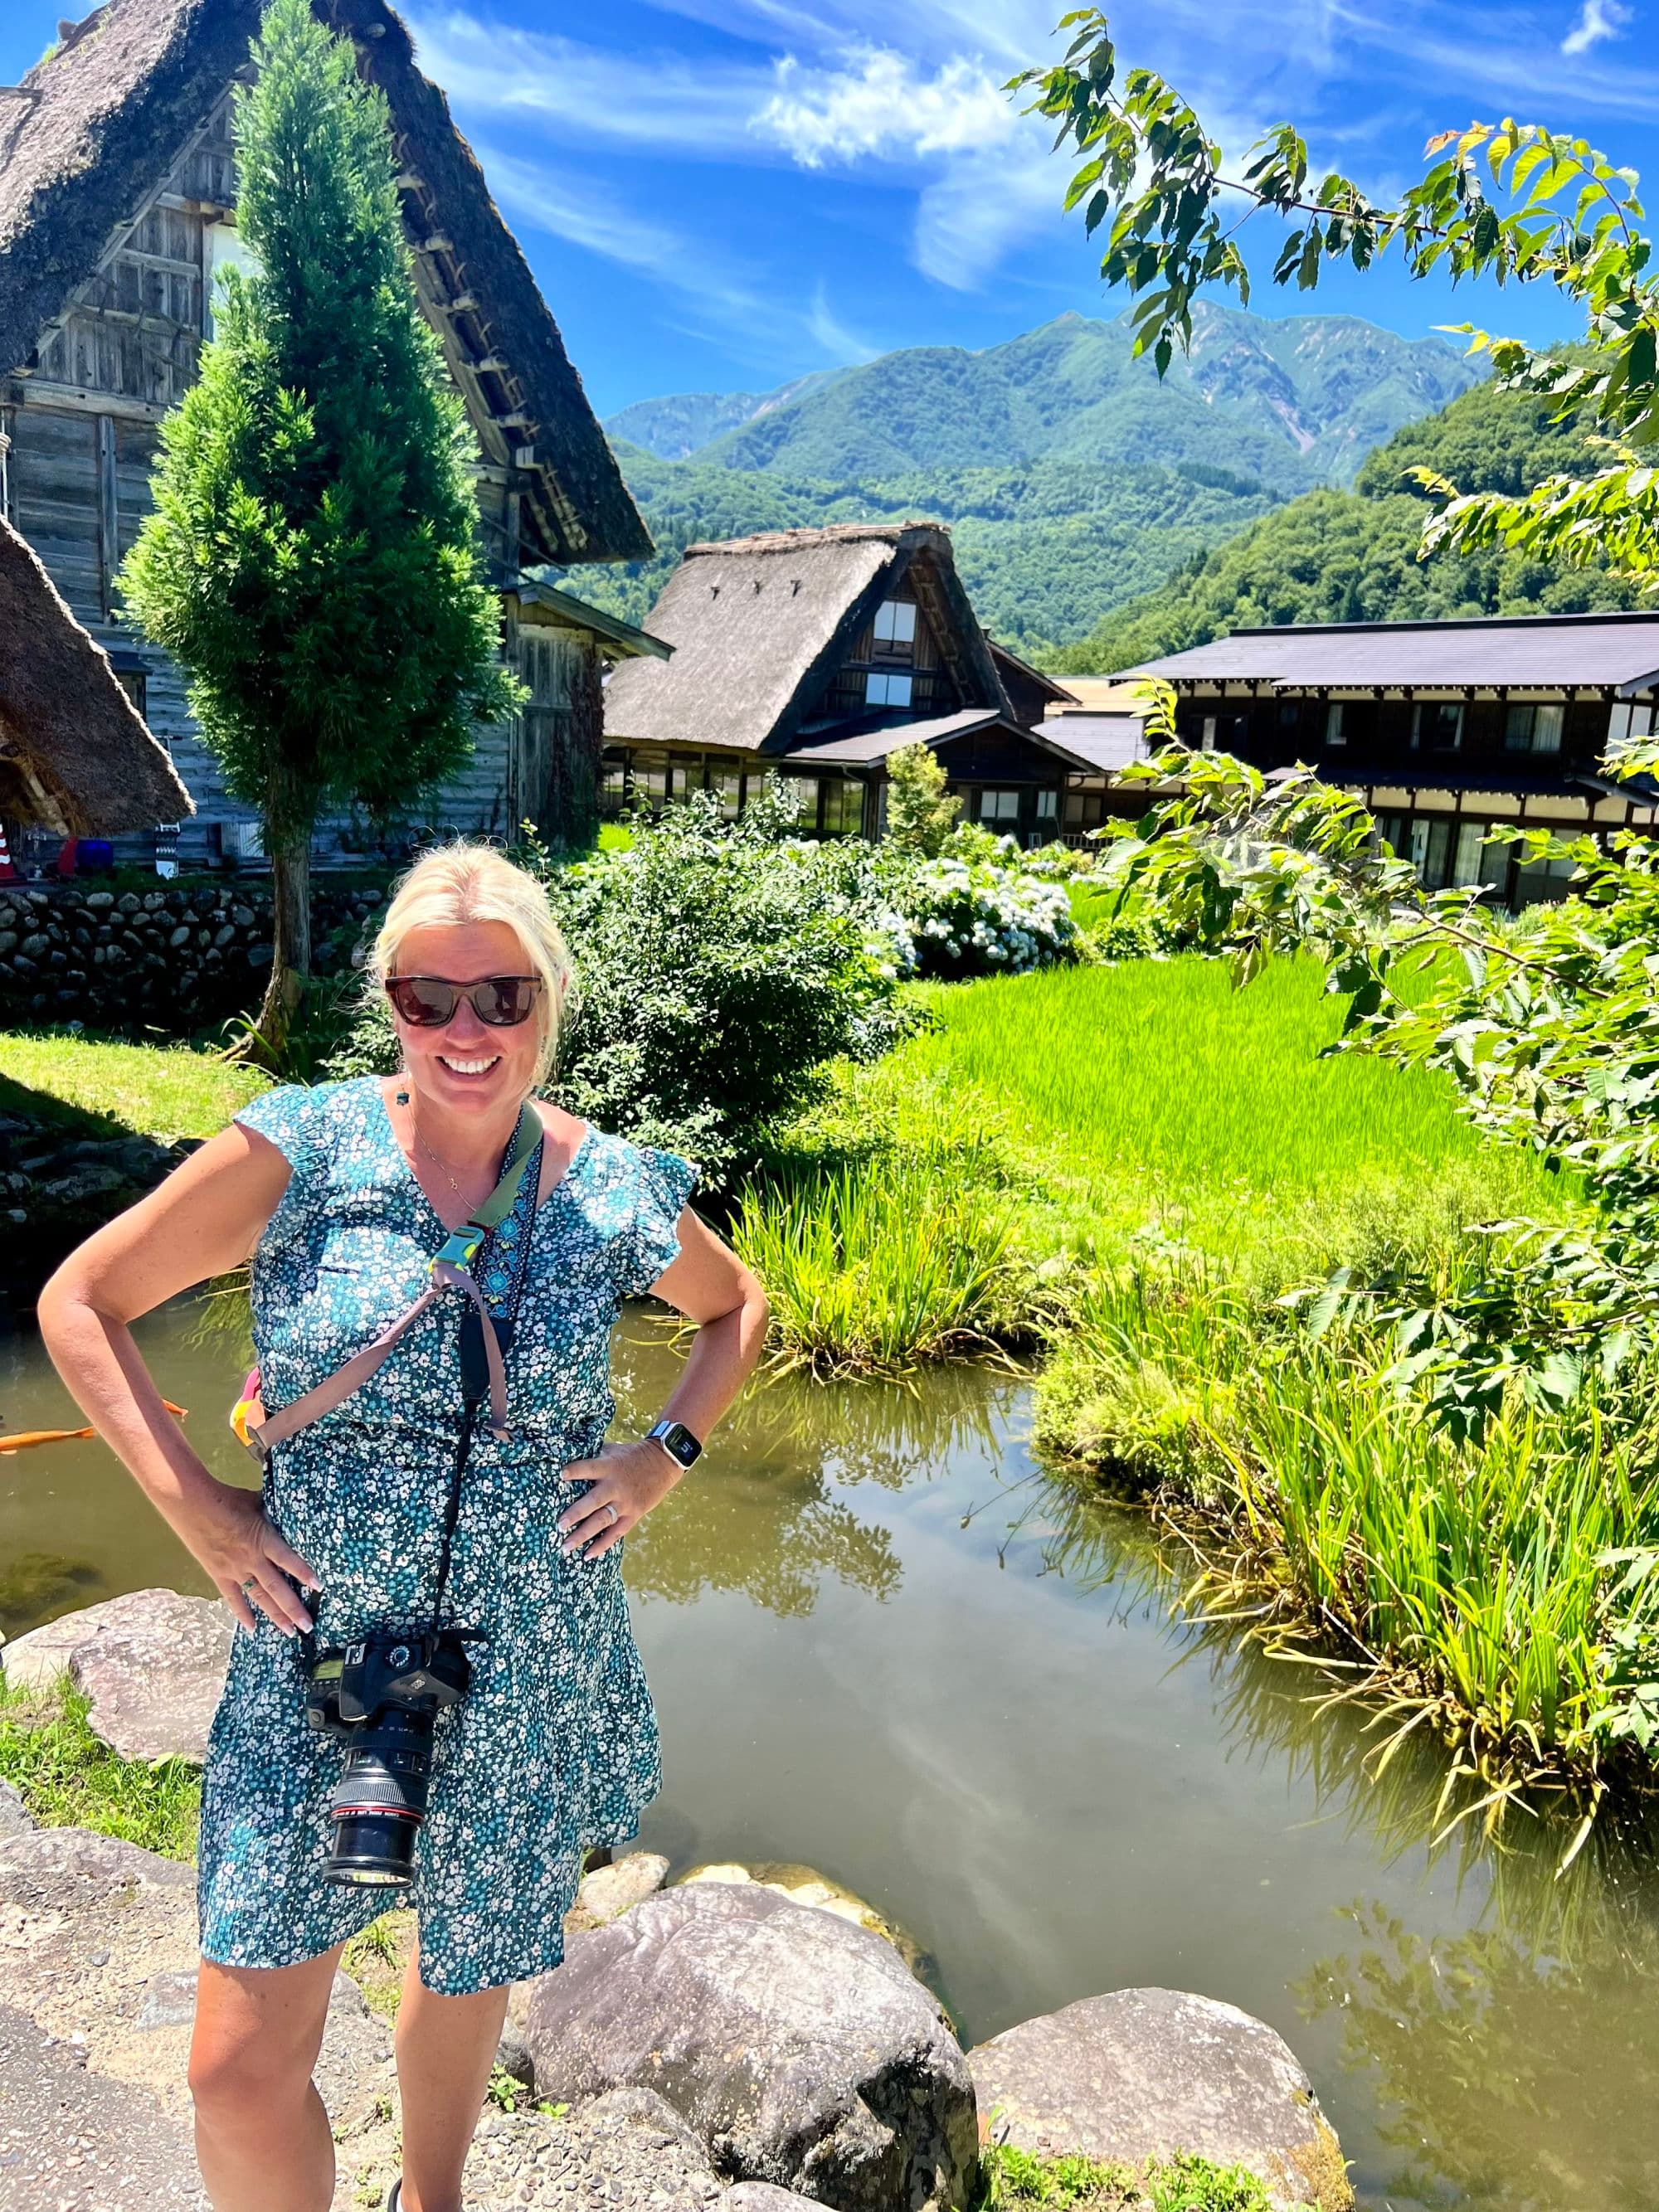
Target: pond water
x=883, y=1642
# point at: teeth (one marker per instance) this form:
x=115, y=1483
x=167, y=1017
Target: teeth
x=470, y=1067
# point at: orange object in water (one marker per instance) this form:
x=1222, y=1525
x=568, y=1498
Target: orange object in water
x=26, y=1438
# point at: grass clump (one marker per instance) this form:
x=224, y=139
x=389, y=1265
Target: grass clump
x=164, y=1091
x=1010, y=2179
x=69, y=1778
x=1483, y=1588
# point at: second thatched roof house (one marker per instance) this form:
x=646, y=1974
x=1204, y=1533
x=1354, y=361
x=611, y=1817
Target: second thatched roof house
x=75, y=758
x=814, y=654
x=117, y=192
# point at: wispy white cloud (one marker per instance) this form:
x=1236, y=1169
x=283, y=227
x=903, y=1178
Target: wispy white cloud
x=875, y=103
x=1597, y=20
x=842, y=343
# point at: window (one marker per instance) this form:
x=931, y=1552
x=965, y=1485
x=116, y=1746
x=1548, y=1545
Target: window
x=1534, y=727
x=1207, y=741
x=895, y=623
x=1335, y=733
x=1047, y=805
x=1290, y=712
x=804, y=790
x=1431, y=852
x=1438, y=725
x=843, y=807
x=727, y=786
x=999, y=806
x=135, y=684
x=881, y=689
x=1471, y=843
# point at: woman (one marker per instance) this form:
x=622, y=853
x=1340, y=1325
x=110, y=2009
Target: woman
x=343, y=1194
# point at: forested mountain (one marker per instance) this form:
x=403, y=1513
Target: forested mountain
x=1290, y=403
x=1071, y=478
x=1353, y=556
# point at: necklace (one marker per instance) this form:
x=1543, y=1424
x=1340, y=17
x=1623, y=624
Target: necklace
x=441, y=1165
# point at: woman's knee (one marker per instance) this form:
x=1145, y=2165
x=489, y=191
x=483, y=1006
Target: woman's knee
x=256, y=2040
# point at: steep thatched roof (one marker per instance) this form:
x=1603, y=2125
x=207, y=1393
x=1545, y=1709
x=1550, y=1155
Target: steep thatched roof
x=759, y=625
x=70, y=741
x=93, y=128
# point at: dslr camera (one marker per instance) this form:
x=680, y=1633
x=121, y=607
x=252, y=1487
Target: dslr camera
x=383, y=1695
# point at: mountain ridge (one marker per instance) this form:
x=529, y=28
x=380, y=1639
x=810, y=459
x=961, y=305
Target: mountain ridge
x=1295, y=400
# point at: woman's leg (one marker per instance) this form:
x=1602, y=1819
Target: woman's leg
x=262, y=2134
x=445, y=2048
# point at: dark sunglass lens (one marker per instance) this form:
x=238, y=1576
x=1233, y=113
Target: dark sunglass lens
x=423, y=1003
x=505, y=1000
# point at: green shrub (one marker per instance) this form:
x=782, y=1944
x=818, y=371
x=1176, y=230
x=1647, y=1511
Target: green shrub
x=921, y=813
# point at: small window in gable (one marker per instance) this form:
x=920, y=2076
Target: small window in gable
x=883, y=689
x=895, y=623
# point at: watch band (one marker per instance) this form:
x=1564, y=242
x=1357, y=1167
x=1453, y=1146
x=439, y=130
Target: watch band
x=678, y=1441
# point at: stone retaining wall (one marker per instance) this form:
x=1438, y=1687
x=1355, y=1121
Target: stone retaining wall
x=177, y=959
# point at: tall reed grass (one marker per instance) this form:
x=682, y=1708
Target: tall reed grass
x=879, y=1265
x=1474, y=1589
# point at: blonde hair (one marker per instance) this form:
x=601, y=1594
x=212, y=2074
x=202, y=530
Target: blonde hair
x=466, y=882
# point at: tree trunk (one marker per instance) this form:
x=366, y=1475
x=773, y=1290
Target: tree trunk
x=290, y=963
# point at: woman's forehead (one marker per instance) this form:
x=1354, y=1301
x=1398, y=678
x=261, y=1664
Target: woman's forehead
x=491, y=947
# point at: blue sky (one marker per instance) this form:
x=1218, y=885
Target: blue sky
x=722, y=194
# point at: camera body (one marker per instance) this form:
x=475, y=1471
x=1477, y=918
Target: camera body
x=382, y=1695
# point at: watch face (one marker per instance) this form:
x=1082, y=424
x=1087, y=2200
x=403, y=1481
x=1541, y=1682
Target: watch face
x=678, y=1440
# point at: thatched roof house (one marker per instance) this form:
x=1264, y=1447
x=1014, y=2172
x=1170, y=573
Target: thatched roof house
x=817, y=654
x=92, y=130
x=75, y=755
x=117, y=189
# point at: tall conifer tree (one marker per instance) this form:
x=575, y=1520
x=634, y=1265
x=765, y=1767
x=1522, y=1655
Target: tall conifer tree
x=311, y=558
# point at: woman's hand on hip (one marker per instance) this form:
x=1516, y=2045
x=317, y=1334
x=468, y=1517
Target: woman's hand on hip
x=624, y=1482
x=250, y=1563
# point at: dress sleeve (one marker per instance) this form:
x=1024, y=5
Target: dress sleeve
x=285, y=1116
x=649, y=1242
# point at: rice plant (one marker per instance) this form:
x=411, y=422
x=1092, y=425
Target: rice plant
x=879, y=1265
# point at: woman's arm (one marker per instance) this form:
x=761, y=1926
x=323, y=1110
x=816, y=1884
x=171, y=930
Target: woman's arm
x=709, y=1285
x=206, y=1219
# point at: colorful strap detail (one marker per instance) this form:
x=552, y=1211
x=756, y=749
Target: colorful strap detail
x=450, y=1270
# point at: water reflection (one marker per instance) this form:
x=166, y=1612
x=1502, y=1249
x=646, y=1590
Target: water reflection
x=771, y=1528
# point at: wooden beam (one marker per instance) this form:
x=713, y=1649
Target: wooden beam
x=109, y=513
x=38, y=392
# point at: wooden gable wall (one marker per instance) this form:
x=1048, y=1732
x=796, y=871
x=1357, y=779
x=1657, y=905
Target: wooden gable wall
x=933, y=690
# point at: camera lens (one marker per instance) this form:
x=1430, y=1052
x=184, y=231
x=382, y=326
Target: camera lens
x=379, y=1800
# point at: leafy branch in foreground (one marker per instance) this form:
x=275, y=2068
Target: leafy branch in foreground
x=1550, y=1029
x=1516, y=202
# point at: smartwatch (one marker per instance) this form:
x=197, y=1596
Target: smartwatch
x=678, y=1441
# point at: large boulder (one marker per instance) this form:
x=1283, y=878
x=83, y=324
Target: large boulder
x=153, y=1664
x=1144, y=2074
x=805, y=1885
x=799, y=2047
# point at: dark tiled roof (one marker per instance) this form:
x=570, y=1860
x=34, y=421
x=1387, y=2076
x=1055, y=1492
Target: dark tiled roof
x=1619, y=651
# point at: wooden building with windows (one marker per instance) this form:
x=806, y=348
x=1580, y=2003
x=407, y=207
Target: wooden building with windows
x=814, y=654
x=1445, y=729
x=117, y=198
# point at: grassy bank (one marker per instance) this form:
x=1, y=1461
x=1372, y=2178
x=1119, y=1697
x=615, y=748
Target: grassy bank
x=67, y=1777
x=164, y=1091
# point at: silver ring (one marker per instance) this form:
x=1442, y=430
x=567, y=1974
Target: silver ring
x=611, y=1510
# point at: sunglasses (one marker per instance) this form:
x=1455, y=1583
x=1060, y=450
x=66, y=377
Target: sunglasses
x=427, y=1002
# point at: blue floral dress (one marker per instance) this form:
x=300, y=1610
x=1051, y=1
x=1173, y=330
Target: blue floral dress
x=555, y=1747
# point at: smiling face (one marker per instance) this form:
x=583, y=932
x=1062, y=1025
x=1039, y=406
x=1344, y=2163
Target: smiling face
x=469, y=1066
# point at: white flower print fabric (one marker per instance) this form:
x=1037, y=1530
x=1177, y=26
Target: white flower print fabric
x=555, y=1747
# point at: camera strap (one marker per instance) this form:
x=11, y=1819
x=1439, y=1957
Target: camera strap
x=451, y=1271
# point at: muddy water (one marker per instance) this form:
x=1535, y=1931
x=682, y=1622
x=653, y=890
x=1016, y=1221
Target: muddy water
x=883, y=1642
